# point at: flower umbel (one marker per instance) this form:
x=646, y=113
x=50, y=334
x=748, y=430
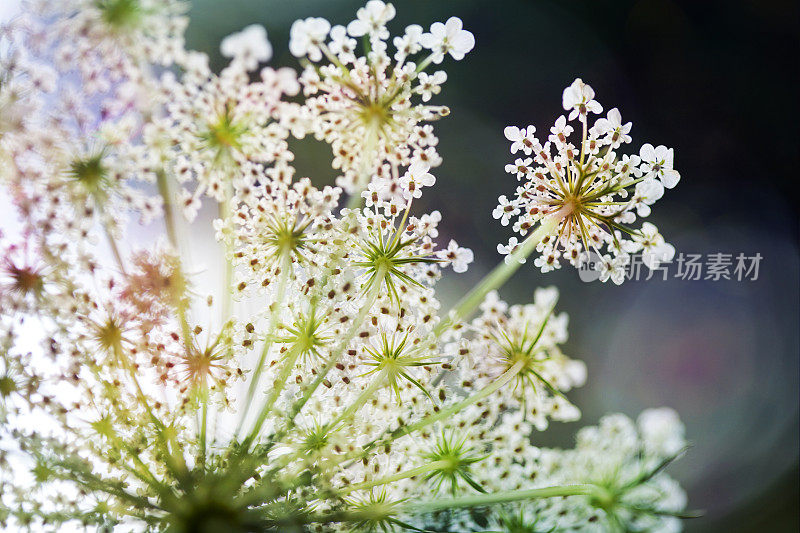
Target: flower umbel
x=364, y=405
x=593, y=191
x=363, y=105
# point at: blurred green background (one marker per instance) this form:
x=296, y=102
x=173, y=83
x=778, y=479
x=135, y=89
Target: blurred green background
x=718, y=82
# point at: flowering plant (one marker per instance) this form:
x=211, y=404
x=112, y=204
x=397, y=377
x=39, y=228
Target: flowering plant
x=321, y=387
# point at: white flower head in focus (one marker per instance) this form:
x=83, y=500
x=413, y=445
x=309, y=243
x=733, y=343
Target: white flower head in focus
x=586, y=190
x=371, y=20
x=448, y=38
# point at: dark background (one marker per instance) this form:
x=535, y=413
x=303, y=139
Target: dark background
x=718, y=82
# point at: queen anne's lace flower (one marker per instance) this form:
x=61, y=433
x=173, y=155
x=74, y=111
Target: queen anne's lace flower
x=220, y=128
x=525, y=343
x=108, y=40
x=363, y=106
x=307, y=36
x=588, y=194
x=448, y=38
x=364, y=406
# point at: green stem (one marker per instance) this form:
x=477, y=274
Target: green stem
x=112, y=242
x=169, y=208
x=144, y=473
x=227, y=297
x=172, y=235
x=94, y=483
x=203, y=427
x=288, y=365
x=377, y=384
x=386, y=511
x=430, y=467
x=170, y=456
x=365, y=172
x=283, y=280
x=355, y=200
x=496, y=278
x=336, y=354
x=583, y=145
x=422, y=66
x=476, y=500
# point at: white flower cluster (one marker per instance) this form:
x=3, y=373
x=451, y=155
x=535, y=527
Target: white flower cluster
x=527, y=338
x=322, y=388
x=363, y=105
x=622, y=460
x=587, y=193
x=106, y=41
x=219, y=129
